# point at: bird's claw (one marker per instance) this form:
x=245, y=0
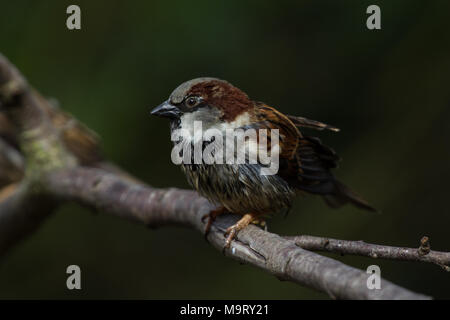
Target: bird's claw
x=231, y=232
x=212, y=215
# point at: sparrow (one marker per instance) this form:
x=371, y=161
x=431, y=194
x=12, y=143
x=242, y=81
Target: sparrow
x=305, y=163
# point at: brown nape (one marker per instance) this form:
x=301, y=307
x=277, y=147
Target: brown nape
x=224, y=96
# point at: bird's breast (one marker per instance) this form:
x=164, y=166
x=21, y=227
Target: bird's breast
x=240, y=187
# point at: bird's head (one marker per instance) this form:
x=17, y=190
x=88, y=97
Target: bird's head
x=210, y=100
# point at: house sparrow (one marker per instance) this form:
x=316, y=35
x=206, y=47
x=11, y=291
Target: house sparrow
x=304, y=162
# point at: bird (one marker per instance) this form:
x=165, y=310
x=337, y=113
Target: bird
x=305, y=163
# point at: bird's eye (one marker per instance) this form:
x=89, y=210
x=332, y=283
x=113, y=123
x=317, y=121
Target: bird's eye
x=192, y=101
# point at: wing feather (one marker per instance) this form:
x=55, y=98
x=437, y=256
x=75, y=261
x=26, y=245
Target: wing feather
x=305, y=162
x=313, y=124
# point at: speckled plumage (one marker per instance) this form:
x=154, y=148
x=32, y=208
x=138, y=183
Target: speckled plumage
x=240, y=188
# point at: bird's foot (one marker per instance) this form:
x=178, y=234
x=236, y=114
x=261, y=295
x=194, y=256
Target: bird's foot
x=260, y=223
x=211, y=216
x=230, y=233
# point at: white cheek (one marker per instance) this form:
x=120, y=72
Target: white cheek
x=187, y=123
x=192, y=123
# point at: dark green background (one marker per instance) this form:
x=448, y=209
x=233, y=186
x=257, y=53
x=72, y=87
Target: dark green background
x=388, y=90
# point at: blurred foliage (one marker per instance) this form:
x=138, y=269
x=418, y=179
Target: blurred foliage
x=388, y=90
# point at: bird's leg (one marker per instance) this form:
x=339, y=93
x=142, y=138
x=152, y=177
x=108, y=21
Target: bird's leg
x=241, y=224
x=212, y=215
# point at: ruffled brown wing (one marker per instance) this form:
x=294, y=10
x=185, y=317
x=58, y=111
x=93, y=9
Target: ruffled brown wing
x=305, y=162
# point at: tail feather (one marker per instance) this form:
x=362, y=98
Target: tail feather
x=315, y=161
x=343, y=194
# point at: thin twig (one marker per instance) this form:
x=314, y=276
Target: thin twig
x=361, y=248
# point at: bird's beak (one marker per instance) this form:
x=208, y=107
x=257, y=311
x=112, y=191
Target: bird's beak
x=166, y=110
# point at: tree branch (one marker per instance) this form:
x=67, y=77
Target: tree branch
x=159, y=207
x=64, y=163
x=21, y=213
x=11, y=163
